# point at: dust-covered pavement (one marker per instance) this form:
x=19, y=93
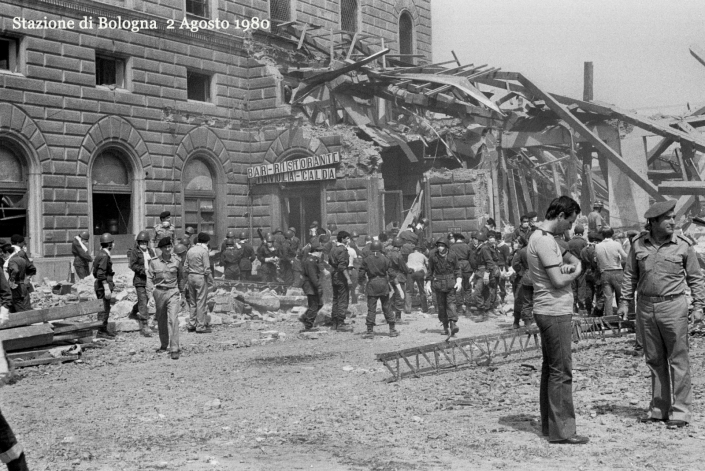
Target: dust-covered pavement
x=324, y=404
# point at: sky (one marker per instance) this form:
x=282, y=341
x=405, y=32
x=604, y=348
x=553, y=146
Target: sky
x=639, y=48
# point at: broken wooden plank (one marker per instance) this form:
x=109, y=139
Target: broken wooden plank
x=598, y=143
x=662, y=174
x=43, y=361
x=82, y=326
x=18, y=319
x=20, y=338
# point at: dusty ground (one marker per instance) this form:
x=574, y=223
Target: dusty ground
x=292, y=405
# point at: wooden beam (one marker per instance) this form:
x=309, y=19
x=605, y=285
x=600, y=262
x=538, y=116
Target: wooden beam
x=598, y=143
x=18, y=319
x=682, y=188
x=662, y=174
x=26, y=337
x=588, y=82
x=525, y=191
x=587, y=194
x=697, y=52
x=658, y=149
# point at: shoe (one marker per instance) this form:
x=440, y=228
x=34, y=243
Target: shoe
x=343, y=327
x=205, y=330
x=175, y=355
x=370, y=334
x=454, y=329
x=145, y=330
x=445, y=332
x=393, y=332
x=647, y=420
x=334, y=326
x=161, y=350
x=190, y=329
x=676, y=423
x=309, y=329
x=515, y=326
x=104, y=334
x=574, y=440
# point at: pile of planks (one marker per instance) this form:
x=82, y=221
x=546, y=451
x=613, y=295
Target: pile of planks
x=30, y=338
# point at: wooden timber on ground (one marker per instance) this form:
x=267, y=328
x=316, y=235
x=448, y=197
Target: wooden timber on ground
x=18, y=319
x=483, y=350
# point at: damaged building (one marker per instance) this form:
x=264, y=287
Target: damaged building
x=297, y=111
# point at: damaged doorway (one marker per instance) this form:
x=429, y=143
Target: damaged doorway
x=300, y=207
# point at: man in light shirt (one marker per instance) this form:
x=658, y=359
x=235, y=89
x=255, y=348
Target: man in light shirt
x=418, y=262
x=610, y=260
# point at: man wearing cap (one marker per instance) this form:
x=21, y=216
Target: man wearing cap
x=200, y=277
x=377, y=268
x=576, y=245
x=81, y=256
x=103, y=285
x=312, y=285
x=659, y=267
x=164, y=229
x=230, y=259
x=595, y=220
x=248, y=256
x=445, y=278
x=166, y=279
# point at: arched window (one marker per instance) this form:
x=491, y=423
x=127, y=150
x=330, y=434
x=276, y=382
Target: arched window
x=13, y=193
x=348, y=15
x=112, y=194
x=406, y=36
x=199, y=196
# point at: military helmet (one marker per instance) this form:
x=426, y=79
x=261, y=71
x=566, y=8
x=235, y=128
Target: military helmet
x=324, y=238
x=230, y=235
x=289, y=234
x=397, y=242
x=84, y=235
x=269, y=238
x=442, y=240
x=143, y=236
x=354, y=235
x=367, y=239
x=180, y=248
x=186, y=241
x=230, y=242
x=376, y=246
x=243, y=235
x=190, y=231
x=424, y=221
x=107, y=238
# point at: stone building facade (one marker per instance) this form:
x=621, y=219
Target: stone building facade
x=103, y=129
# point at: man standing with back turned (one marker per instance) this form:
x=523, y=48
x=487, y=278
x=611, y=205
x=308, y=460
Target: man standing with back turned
x=552, y=272
x=659, y=266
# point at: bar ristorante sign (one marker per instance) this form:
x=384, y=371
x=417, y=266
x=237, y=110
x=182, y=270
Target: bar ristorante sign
x=305, y=169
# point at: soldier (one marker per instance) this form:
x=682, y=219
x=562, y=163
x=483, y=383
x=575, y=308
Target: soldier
x=461, y=249
x=269, y=256
x=487, y=228
x=295, y=241
x=312, y=286
x=524, y=295
x=504, y=259
x=189, y=234
x=339, y=260
x=186, y=302
x=20, y=247
x=81, y=255
x=354, y=265
x=230, y=235
x=485, y=293
x=16, y=267
x=248, y=256
x=314, y=230
x=200, y=277
x=659, y=267
x=443, y=271
x=378, y=271
x=164, y=229
x=103, y=285
x=166, y=279
x=288, y=254
x=230, y=259
x=524, y=228
x=594, y=298
x=595, y=220
x=279, y=238
x=139, y=257
x=401, y=272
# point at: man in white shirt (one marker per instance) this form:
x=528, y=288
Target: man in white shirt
x=610, y=261
x=418, y=262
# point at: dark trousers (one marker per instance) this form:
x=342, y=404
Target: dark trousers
x=314, y=305
x=611, y=287
x=141, y=309
x=502, y=284
x=523, y=304
x=593, y=290
x=396, y=303
x=468, y=282
x=354, y=273
x=556, y=393
x=341, y=294
x=167, y=304
x=287, y=272
x=372, y=310
x=415, y=279
x=485, y=294
x=579, y=293
x=82, y=271
x=20, y=298
x=11, y=452
x=100, y=294
x=445, y=300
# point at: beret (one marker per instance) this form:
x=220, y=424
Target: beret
x=164, y=214
x=203, y=238
x=16, y=239
x=164, y=241
x=579, y=229
x=6, y=247
x=660, y=208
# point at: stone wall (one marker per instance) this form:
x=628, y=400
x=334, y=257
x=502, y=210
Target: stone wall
x=457, y=198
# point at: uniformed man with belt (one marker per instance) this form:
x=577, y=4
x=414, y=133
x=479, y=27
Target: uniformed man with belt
x=378, y=270
x=659, y=267
x=163, y=230
x=81, y=255
x=312, y=285
x=445, y=277
x=103, y=285
x=339, y=260
x=198, y=268
x=166, y=280
x=401, y=271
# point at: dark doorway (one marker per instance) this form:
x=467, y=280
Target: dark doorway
x=301, y=206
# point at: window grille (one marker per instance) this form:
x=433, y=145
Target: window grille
x=279, y=11
x=348, y=15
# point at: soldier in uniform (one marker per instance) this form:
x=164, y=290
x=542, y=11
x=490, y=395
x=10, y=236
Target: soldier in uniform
x=189, y=234
x=164, y=229
x=139, y=257
x=595, y=220
x=200, y=277
x=180, y=251
x=295, y=241
x=659, y=267
x=461, y=249
x=248, y=256
x=401, y=272
x=312, y=286
x=485, y=293
x=230, y=259
x=339, y=260
x=81, y=256
x=288, y=253
x=377, y=268
x=269, y=256
x=594, y=298
x=103, y=285
x=166, y=279
x=230, y=235
x=445, y=277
